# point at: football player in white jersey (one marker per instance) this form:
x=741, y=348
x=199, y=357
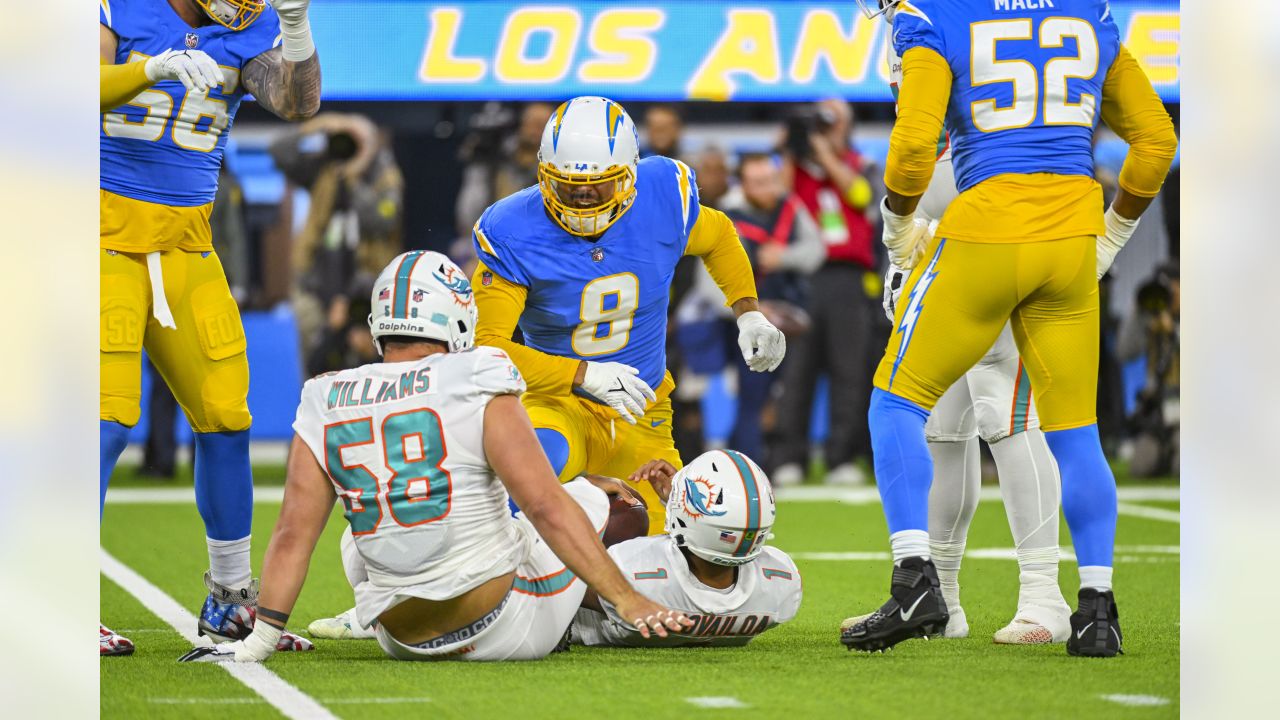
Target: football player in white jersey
x=713, y=564
x=423, y=448
x=992, y=401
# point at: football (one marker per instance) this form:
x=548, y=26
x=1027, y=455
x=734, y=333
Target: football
x=626, y=521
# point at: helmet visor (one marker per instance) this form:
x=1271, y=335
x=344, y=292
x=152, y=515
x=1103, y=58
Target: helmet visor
x=586, y=205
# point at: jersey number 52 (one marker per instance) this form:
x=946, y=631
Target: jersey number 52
x=418, y=490
x=986, y=69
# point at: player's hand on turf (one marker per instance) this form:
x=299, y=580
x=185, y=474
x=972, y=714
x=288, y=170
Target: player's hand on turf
x=657, y=473
x=763, y=345
x=894, y=279
x=618, y=386
x=258, y=646
x=650, y=618
x=614, y=488
x=193, y=68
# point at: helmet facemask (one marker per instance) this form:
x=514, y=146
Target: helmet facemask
x=562, y=194
x=875, y=8
x=233, y=14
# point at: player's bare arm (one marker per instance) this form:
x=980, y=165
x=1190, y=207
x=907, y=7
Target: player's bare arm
x=514, y=453
x=290, y=90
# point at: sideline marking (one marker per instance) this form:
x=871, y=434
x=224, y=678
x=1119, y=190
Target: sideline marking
x=1123, y=553
x=1136, y=700
x=286, y=698
x=717, y=701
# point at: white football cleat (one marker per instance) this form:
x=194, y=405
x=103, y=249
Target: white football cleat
x=1036, y=625
x=787, y=475
x=343, y=627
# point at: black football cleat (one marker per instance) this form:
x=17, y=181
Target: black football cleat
x=1095, y=626
x=915, y=609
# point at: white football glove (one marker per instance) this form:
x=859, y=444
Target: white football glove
x=1119, y=230
x=193, y=68
x=894, y=279
x=906, y=236
x=259, y=646
x=618, y=386
x=295, y=30
x=763, y=345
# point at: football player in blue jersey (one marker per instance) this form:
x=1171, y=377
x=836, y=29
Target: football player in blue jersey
x=173, y=73
x=582, y=263
x=1020, y=86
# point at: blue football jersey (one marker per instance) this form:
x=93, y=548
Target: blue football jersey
x=165, y=146
x=1027, y=80
x=604, y=300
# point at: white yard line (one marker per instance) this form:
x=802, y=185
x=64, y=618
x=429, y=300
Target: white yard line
x=1150, y=513
x=807, y=494
x=1123, y=553
x=1136, y=700
x=286, y=698
x=990, y=493
x=718, y=702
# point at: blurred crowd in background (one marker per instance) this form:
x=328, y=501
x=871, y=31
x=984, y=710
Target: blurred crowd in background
x=306, y=216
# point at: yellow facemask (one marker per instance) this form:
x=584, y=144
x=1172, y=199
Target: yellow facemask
x=234, y=14
x=616, y=187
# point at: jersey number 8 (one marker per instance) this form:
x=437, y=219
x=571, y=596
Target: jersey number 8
x=196, y=108
x=419, y=490
x=985, y=69
x=608, y=309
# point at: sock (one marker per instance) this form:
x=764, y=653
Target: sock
x=1093, y=576
x=224, y=485
x=112, y=437
x=903, y=467
x=909, y=543
x=229, y=562
x=953, y=499
x=1088, y=493
x=946, y=558
x=1030, y=488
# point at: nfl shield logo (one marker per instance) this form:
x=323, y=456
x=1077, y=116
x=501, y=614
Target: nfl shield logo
x=418, y=295
x=486, y=278
x=597, y=254
x=192, y=40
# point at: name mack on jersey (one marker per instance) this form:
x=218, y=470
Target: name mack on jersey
x=1011, y=5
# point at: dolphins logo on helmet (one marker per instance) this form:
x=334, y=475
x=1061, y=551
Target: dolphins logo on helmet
x=697, y=498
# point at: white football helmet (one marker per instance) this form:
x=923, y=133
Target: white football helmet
x=587, y=165
x=721, y=508
x=423, y=294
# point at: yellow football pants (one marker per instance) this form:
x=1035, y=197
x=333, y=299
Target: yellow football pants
x=202, y=361
x=956, y=302
x=602, y=444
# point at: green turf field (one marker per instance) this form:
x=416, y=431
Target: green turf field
x=797, y=670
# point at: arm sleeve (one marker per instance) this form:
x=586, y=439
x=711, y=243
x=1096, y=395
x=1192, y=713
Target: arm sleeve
x=807, y=252
x=1131, y=108
x=500, y=303
x=715, y=241
x=922, y=104
x=119, y=84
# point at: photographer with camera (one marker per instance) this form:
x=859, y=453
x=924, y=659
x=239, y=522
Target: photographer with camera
x=1153, y=331
x=353, y=221
x=831, y=179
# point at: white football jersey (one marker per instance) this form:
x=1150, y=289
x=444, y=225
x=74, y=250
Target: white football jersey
x=403, y=445
x=766, y=595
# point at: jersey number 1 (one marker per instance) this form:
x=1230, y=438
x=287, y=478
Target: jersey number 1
x=986, y=69
x=419, y=490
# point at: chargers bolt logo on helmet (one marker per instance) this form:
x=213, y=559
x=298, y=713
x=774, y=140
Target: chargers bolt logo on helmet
x=233, y=14
x=721, y=508
x=587, y=165
x=424, y=295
